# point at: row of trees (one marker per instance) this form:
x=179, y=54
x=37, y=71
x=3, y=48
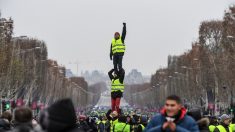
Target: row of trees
x=205, y=74
x=26, y=73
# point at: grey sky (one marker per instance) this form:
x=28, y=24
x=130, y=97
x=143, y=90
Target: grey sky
x=81, y=30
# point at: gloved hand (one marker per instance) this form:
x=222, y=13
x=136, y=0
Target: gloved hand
x=124, y=24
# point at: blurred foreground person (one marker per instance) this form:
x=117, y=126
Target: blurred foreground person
x=23, y=118
x=60, y=117
x=5, y=121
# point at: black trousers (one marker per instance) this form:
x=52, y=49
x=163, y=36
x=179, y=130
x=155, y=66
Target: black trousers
x=117, y=63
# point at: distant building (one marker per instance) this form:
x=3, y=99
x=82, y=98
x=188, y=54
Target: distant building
x=69, y=73
x=95, y=77
x=134, y=77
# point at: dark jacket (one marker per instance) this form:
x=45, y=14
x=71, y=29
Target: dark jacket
x=4, y=125
x=85, y=126
x=62, y=117
x=184, y=123
x=123, y=40
x=24, y=127
x=121, y=76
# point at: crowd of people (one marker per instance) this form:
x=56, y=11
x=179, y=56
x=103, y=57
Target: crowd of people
x=61, y=117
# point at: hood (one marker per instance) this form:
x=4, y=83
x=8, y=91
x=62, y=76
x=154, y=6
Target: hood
x=183, y=112
x=62, y=116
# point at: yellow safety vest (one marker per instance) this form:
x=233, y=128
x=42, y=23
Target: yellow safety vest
x=98, y=122
x=142, y=127
x=232, y=126
x=212, y=128
x=118, y=46
x=104, y=122
x=122, y=127
x=222, y=129
x=112, y=124
x=116, y=85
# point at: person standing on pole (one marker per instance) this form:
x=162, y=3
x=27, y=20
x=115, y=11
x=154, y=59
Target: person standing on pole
x=117, y=88
x=117, y=49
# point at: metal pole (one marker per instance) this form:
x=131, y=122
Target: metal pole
x=1, y=105
x=231, y=103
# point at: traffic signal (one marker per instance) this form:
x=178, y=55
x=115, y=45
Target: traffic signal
x=3, y=105
x=8, y=105
x=231, y=109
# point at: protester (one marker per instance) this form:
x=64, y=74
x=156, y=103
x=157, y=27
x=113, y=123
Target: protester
x=172, y=118
x=5, y=121
x=23, y=118
x=60, y=117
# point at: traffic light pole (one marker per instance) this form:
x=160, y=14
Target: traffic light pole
x=1, y=105
x=231, y=103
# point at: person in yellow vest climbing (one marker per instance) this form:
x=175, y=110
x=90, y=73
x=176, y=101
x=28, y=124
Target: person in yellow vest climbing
x=224, y=126
x=117, y=88
x=118, y=48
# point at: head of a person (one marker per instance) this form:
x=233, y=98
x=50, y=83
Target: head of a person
x=82, y=118
x=225, y=119
x=128, y=119
x=213, y=121
x=114, y=114
x=7, y=115
x=195, y=114
x=60, y=116
x=173, y=105
x=117, y=35
x=122, y=119
x=23, y=115
x=143, y=120
x=104, y=118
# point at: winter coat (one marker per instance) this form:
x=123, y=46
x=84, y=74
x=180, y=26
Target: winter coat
x=24, y=127
x=185, y=123
x=61, y=117
x=4, y=125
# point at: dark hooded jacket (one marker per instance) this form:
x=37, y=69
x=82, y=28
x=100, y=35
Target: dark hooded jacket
x=24, y=127
x=184, y=123
x=4, y=125
x=62, y=117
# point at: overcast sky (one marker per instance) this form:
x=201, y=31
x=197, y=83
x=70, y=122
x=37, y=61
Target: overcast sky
x=81, y=30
